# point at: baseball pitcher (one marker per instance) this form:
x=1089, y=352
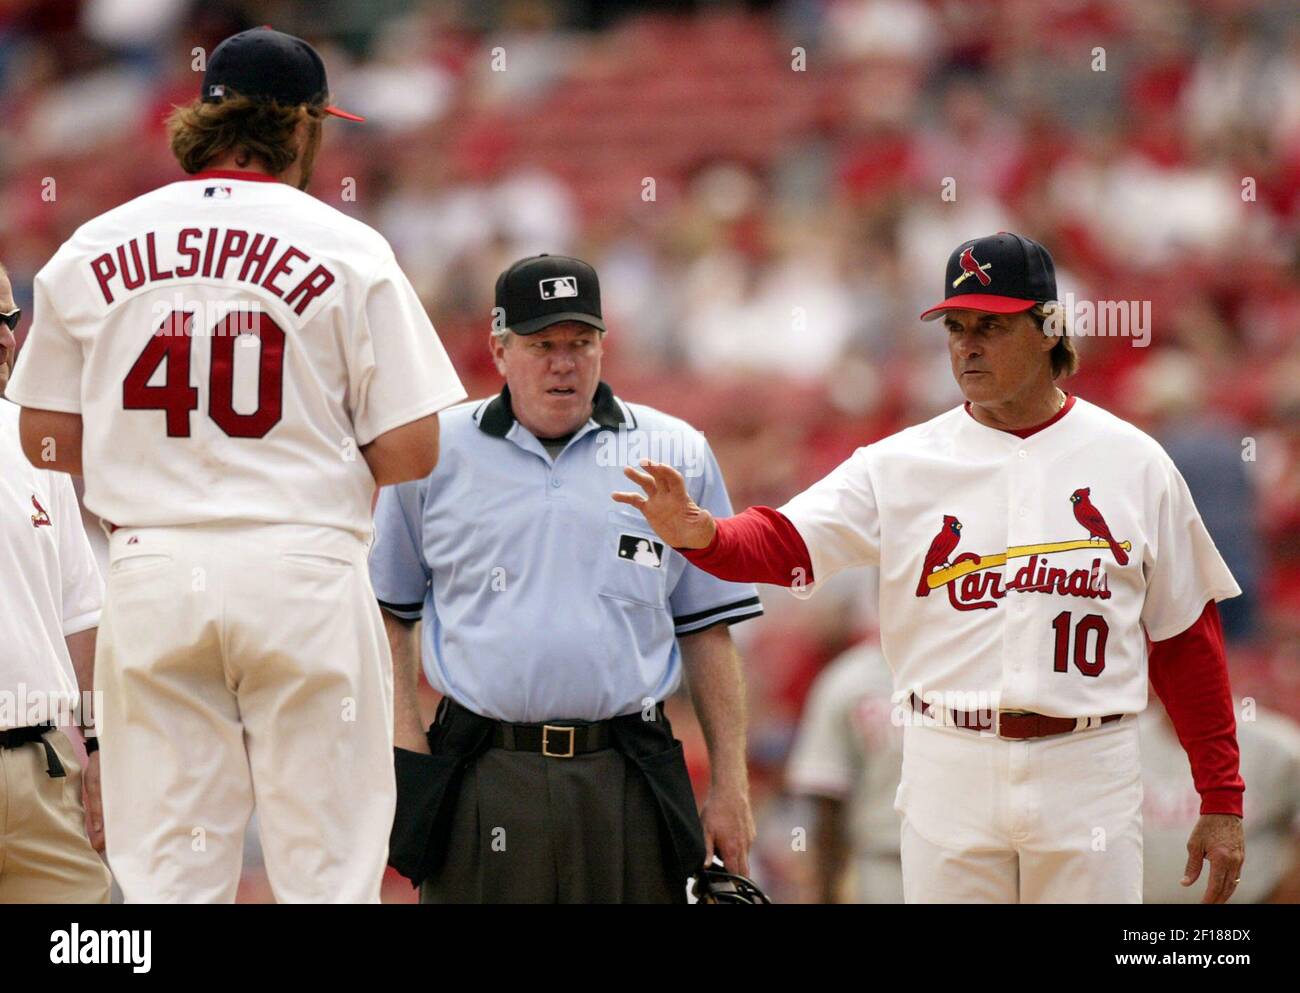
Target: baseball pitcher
x=234, y=366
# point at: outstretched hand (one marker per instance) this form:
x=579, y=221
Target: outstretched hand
x=667, y=507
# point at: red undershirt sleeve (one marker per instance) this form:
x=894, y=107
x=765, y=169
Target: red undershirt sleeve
x=1190, y=674
x=759, y=545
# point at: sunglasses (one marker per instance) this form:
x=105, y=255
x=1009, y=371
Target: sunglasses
x=11, y=318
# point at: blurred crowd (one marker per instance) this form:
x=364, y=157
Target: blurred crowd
x=769, y=192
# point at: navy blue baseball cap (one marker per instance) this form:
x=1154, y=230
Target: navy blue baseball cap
x=1003, y=273
x=542, y=290
x=265, y=64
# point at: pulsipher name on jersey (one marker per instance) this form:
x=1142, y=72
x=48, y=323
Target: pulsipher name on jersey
x=211, y=253
x=974, y=581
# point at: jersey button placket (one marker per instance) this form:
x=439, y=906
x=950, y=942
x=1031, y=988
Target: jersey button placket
x=1013, y=602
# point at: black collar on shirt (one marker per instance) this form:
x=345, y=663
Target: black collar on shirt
x=499, y=415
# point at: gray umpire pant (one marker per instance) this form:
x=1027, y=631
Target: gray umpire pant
x=531, y=829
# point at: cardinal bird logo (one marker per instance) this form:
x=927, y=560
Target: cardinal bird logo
x=969, y=267
x=1090, y=517
x=40, y=519
x=941, y=550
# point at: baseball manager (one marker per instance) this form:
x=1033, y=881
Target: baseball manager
x=1031, y=546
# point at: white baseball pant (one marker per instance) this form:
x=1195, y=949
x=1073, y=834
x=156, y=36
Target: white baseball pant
x=1047, y=820
x=244, y=664
x=877, y=878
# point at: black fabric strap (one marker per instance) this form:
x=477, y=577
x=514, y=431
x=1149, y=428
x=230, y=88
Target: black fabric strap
x=17, y=737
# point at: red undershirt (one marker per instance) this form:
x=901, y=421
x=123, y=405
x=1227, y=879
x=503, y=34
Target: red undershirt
x=1189, y=671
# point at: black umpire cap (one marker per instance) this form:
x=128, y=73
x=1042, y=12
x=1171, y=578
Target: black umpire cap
x=1003, y=273
x=265, y=64
x=542, y=290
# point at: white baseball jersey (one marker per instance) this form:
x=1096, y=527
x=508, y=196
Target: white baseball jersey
x=1024, y=573
x=1270, y=766
x=230, y=344
x=50, y=586
x=850, y=749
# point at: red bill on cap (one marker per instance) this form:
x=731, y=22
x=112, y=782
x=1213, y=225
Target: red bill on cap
x=340, y=112
x=979, y=301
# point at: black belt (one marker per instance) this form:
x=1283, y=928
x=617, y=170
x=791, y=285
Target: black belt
x=556, y=741
x=17, y=737
x=459, y=736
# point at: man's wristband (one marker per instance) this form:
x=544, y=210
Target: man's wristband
x=92, y=743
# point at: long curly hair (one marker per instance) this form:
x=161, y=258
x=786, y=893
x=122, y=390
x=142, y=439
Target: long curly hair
x=200, y=132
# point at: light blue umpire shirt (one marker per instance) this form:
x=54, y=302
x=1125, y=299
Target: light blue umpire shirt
x=542, y=599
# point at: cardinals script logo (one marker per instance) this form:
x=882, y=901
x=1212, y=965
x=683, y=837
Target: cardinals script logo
x=975, y=582
x=40, y=519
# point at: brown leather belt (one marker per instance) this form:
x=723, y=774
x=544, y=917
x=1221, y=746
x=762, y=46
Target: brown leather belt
x=1016, y=725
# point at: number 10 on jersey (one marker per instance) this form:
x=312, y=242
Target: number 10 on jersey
x=1088, y=626
x=171, y=344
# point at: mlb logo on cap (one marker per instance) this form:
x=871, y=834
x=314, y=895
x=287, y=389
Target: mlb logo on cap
x=542, y=290
x=560, y=286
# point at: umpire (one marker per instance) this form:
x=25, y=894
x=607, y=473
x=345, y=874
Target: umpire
x=555, y=627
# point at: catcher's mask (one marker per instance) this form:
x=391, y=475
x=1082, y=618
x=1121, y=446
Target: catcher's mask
x=716, y=885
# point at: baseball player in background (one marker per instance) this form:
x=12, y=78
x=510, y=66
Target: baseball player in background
x=50, y=599
x=247, y=364
x=847, y=759
x=1270, y=763
x=1029, y=544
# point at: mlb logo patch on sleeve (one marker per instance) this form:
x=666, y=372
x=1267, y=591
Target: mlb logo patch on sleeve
x=641, y=550
x=559, y=286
